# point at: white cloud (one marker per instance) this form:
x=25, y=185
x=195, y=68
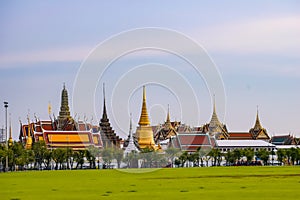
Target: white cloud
x=47, y=55
x=271, y=35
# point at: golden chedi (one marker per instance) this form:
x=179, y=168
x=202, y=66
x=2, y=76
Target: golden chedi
x=144, y=132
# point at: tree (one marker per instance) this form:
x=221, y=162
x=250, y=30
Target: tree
x=281, y=155
x=131, y=159
x=70, y=158
x=118, y=155
x=171, y=154
x=249, y=154
x=79, y=158
x=18, y=156
x=217, y=156
x=59, y=156
x=183, y=158
x=237, y=154
x=147, y=156
x=39, y=148
x=107, y=156
x=263, y=154
x=229, y=157
x=294, y=155
x=91, y=153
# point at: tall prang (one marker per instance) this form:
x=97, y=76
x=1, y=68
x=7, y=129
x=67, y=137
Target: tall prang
x=144, y=132
x=108, y=135
x=64, y=113
x=215, y=127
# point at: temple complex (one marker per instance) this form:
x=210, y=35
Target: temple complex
x=61, y=132
x=144, y=132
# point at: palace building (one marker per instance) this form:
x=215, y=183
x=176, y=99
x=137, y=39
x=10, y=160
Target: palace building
x=255, y=133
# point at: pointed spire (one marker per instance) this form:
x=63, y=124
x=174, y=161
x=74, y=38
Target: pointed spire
x=214, y=109
x=104, y=114
x=64, y=112
x=168, y=115
x=214, y=118
x=10, y=140
x=131, y=146
x=130, y=125
x=257, y=125
x=144, y=119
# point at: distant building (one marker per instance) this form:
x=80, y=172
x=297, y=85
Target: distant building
x=285, y=140
x=229, y=145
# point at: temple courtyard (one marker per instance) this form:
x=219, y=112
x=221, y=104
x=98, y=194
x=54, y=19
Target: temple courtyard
x=176, y=183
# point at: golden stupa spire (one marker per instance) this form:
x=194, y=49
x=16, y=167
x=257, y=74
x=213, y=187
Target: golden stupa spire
x=29, y=138
x=10, y=140
x=144, y=119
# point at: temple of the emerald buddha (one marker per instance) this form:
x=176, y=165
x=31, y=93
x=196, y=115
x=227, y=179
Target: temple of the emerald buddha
x=64, y=131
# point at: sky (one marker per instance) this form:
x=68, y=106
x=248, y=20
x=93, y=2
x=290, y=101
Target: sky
x=255, y=46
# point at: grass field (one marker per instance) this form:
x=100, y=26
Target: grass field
x=186, y=183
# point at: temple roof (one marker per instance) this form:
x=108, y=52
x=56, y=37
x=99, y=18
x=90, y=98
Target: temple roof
x=191, y=141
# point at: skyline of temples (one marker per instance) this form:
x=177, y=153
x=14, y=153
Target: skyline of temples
x=57, y=132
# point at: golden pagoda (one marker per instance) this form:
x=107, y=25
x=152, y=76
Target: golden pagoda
x=144, y=132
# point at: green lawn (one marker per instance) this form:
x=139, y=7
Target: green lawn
x=186, y=183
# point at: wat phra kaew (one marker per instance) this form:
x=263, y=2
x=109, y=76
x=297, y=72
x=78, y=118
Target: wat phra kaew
x=65, y=131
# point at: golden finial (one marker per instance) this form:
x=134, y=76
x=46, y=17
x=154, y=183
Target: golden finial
x=144, y=119
x=10, y=140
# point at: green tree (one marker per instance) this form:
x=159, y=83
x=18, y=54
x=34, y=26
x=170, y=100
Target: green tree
x=249, y=154
x=237, y=154
x=79, y=158
x=59, y=156
x=118, y=155
x=131, y=159
x=183, y=158
x=107, y=157
x=91, y=153
x=39, y=148
x=263, y=154
x=229, y=157
x=281, y=155
x=294, y=155
x=171, y=154
x=217, y=156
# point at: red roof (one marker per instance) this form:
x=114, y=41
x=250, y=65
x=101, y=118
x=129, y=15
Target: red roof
x=240, y=136
x=193, y=139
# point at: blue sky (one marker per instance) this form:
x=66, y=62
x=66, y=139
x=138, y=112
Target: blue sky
x=254, y=44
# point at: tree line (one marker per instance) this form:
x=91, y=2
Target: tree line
x=41, y=157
